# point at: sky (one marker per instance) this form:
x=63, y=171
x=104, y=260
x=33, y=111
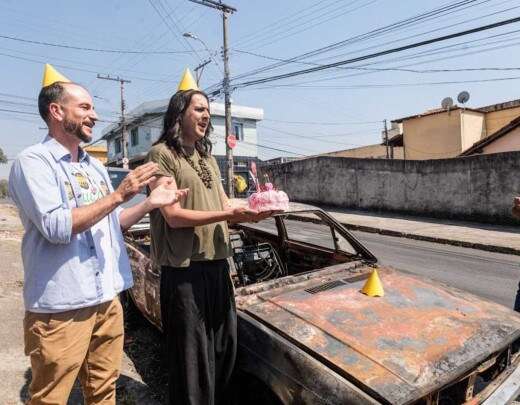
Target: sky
x=331, y=109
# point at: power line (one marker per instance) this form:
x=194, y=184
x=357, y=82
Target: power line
x=323, y=123
x=390, y=85
x=282, y=21
x=370, y=34
x=316, y=20
x=81, y=69
x=80, y=48
x=435, y=30
x=377, y=54
x=307, y=137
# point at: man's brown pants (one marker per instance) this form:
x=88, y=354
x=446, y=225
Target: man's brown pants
x=85, y=343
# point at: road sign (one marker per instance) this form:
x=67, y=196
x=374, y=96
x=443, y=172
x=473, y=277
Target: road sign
x=232, y=141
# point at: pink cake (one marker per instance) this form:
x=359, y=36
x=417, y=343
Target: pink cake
x=269, y=199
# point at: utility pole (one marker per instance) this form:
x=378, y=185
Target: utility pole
x=226, y=10
x=124, y=136
x=386, y=141
x=201, y=68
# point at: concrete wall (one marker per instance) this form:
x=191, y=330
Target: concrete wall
x=497, y=119
x=477, y=188
x=433, y=136
x=509, y=142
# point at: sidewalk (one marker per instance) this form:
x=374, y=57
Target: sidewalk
x=494, y=238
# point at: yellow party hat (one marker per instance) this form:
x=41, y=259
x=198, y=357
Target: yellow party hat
x=187, y=82
x=373, y=287
x=51, y=75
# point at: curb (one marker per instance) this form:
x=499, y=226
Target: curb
x=444, y=241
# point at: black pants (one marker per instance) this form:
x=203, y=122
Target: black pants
x=199, y=321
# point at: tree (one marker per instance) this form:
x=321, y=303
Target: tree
x=3, y=158
x=4, y=188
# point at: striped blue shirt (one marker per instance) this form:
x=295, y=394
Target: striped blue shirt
x=64, y=271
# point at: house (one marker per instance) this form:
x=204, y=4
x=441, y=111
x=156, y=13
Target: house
x=391, y=146
x=445, y=133
x=506, y=139
x=144, y=125
x=98, y=151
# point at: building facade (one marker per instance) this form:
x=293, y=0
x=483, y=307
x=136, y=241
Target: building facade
x=446, y=133
x=144, y=126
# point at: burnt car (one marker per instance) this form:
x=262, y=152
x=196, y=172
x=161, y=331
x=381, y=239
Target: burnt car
x=307, y=335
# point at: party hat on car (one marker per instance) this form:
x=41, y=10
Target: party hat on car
x=187, y=82
x=373, y=287
x=51, y=75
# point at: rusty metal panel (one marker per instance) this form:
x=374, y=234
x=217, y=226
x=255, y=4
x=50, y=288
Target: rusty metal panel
x=415, y=339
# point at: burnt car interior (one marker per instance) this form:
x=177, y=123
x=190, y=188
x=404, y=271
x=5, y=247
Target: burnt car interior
x=281, y=246
x=276, y=247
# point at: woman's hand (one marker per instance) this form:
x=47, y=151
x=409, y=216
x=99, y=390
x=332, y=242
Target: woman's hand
x=241, y=214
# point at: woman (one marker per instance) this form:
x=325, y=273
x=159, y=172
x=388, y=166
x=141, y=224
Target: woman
x=190, y=242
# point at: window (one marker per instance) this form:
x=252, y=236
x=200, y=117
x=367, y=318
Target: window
x=238, y=130
x=134, y=135
x=310, y=229
x=117, y=145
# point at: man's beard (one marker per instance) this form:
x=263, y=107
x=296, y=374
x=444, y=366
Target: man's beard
x=74, y=128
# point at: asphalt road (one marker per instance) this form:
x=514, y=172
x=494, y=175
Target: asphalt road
x=490, y=275
x=494, y=276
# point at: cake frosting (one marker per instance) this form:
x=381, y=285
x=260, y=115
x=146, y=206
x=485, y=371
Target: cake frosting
x=269, y=199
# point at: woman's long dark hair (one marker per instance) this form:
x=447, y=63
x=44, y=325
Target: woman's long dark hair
x=171, y=134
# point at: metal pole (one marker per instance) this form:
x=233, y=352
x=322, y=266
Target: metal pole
x=386, y=142
x=199, y=69
x=227, y=108
x=225, y=9
x=124, y=135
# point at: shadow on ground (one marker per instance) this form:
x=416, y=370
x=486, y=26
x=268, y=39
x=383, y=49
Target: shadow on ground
x=126, y=391
x=144, y=345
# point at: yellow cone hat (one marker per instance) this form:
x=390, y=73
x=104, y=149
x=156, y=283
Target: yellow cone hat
x=187, y=82
x=51, y=75
x=373, y=287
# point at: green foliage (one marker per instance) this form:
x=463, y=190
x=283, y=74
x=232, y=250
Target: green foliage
x=3, y=158
x=3, y=188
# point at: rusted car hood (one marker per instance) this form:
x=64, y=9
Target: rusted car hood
x=417, y=338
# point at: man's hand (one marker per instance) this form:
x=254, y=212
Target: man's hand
x=136, y=180
x=165, y=194
x=516, y=207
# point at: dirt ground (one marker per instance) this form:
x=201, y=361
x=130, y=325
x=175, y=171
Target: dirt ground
x=143, y=345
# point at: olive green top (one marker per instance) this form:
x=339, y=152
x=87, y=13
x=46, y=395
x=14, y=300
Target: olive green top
x=177, y=247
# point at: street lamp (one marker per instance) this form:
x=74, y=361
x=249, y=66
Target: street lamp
x=196, y=38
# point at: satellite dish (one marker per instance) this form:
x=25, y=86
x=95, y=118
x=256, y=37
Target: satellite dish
x=447, y=103
x=463, y=97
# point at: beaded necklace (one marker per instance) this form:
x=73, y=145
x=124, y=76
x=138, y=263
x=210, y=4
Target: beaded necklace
x=202, y=171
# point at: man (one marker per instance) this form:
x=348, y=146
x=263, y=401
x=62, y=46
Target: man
x=74, y=258
x=516, y=207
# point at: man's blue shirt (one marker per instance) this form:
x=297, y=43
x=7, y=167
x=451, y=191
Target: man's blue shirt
x=63, y=271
